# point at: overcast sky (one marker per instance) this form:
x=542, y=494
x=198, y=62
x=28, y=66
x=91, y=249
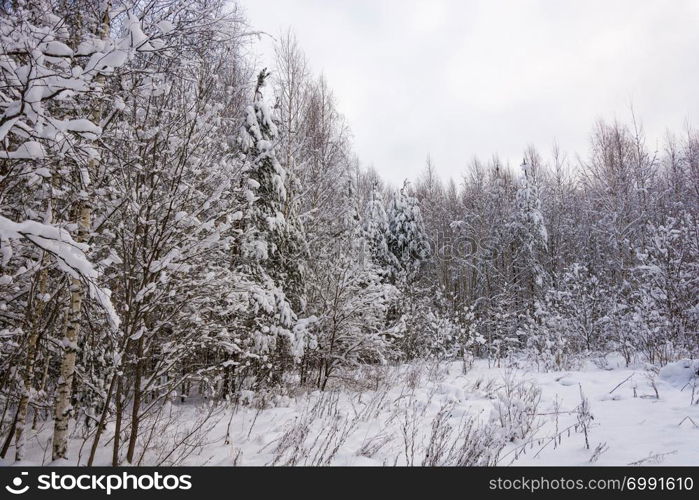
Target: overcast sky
x=457, y=78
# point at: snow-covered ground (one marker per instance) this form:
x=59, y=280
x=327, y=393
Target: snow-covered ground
x=419, y=414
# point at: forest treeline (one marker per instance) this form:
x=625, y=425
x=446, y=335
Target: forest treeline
x=178, y=223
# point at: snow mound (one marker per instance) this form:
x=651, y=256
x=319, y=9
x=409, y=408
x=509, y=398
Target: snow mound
x=681, y=374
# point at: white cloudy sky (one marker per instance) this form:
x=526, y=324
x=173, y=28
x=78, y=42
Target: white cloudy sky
x=457, y=78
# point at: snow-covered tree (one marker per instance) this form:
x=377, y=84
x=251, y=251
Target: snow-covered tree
x=52, y=106
x=662, y=312
x=572, y=319
x=272, y=247
x=530, y=240
x=377, y=234
x=407, y=239
x=354, y=323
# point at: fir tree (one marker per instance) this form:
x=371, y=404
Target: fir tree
x=270, y=244
x=377, y=234
x=530, y=240
x=407, y=239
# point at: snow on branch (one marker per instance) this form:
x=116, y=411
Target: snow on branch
x=69, y=254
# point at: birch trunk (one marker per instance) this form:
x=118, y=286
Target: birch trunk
x=63, y=408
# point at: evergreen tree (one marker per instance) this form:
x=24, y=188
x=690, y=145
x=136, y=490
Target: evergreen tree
x=377, y=233
x=407, y=238
x=272, y=247
x=530, y=241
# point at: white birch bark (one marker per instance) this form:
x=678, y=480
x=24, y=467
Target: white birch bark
x=63, y=408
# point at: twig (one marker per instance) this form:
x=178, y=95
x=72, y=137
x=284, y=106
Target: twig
x=688, y=418
x=622, y=382
x=653, y=458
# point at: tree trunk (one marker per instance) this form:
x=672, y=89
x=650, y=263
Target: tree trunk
x=103, y=418
x=117, y=424
x=28, y=375
x=63, y=409
x=27, y=381
x=8, y=440
x=42, y=387
x=136, y=403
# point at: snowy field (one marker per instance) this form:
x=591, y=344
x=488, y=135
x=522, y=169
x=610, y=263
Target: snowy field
x=434, y=414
